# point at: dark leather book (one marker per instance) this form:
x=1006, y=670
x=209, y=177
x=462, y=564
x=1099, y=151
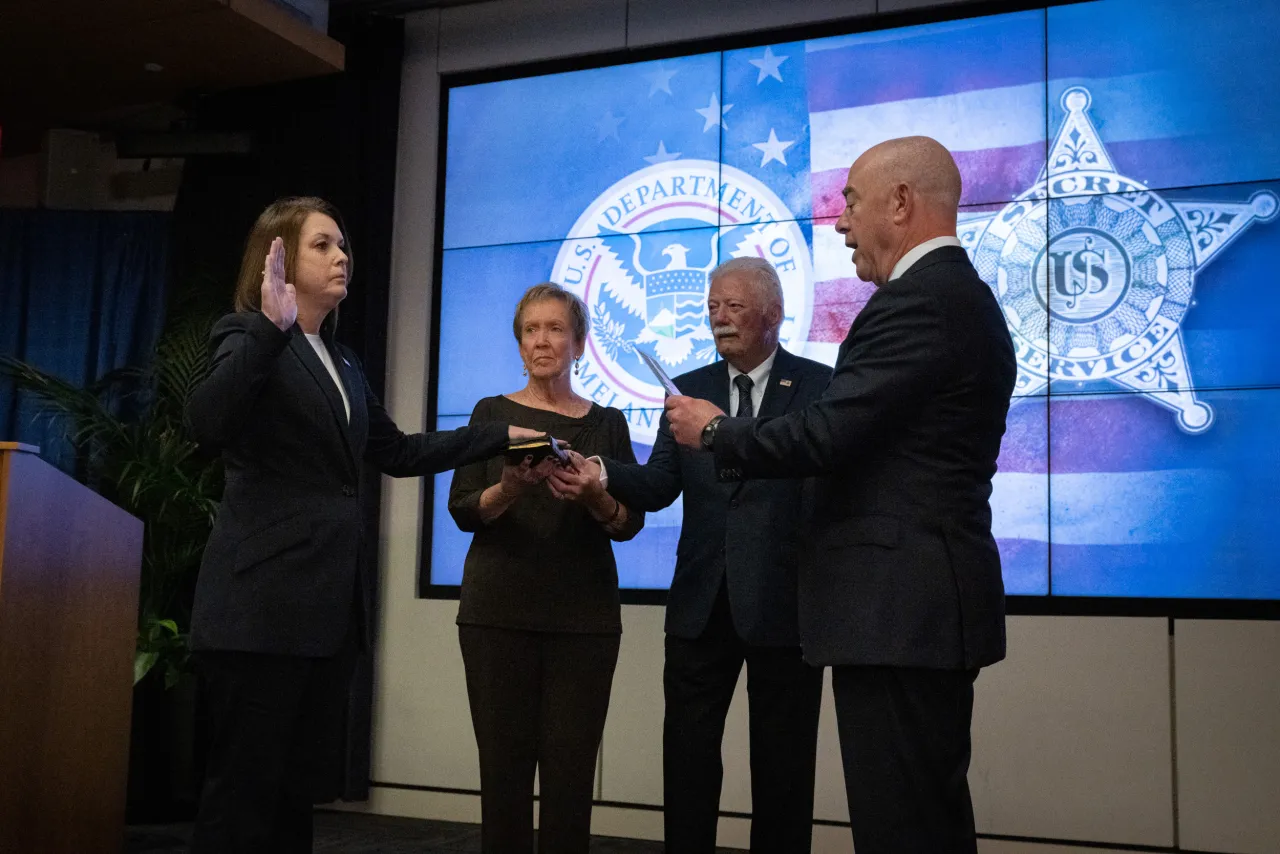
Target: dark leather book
x=540, y=449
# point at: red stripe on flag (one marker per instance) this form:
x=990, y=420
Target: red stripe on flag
x=836, y=302
x=1025, y=446
x=925, y=62
x=1026, y=564
x=990, y=175
x=828, y=192
x=1117, y=433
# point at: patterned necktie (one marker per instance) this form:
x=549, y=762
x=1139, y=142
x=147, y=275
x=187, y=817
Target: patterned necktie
x=743, y=384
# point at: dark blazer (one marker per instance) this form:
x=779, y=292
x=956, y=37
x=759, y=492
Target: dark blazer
x=282, y=571
x=751, y=531
x=901, y=568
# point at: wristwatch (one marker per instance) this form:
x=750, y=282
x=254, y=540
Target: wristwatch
x=709, y=433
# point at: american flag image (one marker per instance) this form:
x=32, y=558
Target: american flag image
x=1102, y=489
x=978, y=88
x=1078, y=485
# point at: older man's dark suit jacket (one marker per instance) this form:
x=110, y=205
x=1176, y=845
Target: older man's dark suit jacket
x=901, y=569
x=282, y=568
x=751, y=531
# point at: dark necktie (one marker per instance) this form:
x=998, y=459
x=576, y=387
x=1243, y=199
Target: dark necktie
x=743, y=384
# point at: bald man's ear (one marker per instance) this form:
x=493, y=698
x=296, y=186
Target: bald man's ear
x=900, y=203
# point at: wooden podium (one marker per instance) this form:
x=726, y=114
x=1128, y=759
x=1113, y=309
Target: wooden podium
x=69, y=564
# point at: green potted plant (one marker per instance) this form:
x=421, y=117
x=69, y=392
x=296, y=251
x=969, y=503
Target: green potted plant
x=133, y=448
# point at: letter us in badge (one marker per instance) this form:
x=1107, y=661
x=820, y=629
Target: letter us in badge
x=1095, y=272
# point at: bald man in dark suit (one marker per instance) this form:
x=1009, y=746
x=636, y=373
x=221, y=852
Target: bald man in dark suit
x=900, y=588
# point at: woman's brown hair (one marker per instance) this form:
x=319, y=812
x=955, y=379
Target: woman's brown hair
x=283, y=218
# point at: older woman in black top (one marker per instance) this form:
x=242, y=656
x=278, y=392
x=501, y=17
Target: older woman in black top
x=539, y=620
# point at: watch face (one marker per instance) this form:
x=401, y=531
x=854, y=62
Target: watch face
x=709, y=432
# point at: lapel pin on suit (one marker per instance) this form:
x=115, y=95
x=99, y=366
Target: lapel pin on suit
x=785, y=383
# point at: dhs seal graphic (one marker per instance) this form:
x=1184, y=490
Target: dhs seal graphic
x=1095, y=272
x=643, y=271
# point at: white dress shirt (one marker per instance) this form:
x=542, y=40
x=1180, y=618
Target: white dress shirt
x=759, y=377
x=905, y=263
x=323, y=352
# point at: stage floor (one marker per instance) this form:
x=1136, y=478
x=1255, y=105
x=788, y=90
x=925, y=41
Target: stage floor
x=358, y=833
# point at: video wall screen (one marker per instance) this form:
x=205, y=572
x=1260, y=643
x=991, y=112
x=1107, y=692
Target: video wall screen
x=1121, y=172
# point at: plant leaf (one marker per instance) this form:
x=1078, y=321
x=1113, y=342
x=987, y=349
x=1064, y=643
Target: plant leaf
x=142, y=664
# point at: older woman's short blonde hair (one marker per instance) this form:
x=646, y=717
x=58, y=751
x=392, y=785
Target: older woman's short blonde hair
x=550, y=290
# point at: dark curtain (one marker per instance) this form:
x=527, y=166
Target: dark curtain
x=81, y=293
x=333, y=137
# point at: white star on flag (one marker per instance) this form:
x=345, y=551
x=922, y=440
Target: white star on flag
x=768, y=65
x=663, y=155
x=660, y=81
x=608, y=127
x=714, y=113
x=773, y=148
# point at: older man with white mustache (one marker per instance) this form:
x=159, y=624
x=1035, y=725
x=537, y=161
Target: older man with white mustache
x=733, y=597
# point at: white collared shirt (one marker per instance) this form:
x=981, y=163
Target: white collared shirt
x=759, y=377
x=323, y=352
x=905, y=263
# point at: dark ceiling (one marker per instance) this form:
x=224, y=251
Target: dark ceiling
x=88, y=63
x=396, y=7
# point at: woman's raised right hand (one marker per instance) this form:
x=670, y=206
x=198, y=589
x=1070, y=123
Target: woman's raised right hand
x=279, y=298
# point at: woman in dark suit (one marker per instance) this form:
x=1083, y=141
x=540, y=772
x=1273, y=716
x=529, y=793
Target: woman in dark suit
x=282, y=603
x=539, y=619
